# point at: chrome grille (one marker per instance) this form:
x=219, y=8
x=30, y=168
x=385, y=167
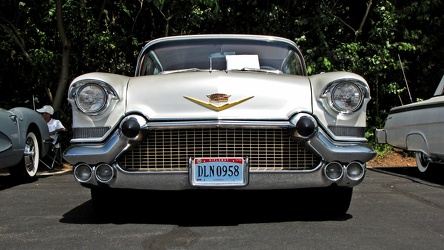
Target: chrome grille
x=169, y=150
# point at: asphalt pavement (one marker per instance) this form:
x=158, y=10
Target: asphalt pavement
x=393, y=208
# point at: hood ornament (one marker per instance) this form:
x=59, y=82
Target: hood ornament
x=217, y=98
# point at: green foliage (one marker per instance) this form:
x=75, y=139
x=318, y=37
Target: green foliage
x=381, y=149
x=334, y=35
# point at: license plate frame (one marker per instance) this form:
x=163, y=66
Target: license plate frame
x=218, y=171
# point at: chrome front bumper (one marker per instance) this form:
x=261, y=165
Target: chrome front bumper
x=257, y=180
x=340, y=153
x=320, y=143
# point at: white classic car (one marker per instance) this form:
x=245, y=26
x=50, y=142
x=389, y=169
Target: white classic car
x=418, y=127
x=220, y=112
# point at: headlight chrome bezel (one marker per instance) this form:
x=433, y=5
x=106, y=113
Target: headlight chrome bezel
x=345, y=96
x=99, y=91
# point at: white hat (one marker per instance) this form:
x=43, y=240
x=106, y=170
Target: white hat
x=46, y=109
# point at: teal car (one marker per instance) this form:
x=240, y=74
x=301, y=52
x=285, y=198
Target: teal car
x=24, y=139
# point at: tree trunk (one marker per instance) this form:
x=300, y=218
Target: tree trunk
x=66, y=46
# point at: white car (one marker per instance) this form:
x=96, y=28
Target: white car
x=220, y=112
x=418, y=127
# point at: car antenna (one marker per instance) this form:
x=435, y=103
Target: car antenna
x=405, y=79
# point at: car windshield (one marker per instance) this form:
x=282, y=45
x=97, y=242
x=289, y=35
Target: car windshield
x=175, y=56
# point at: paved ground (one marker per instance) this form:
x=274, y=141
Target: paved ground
x=387, y=212
x=44, y=171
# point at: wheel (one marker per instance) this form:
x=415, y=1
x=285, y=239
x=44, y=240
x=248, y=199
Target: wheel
x=28, y=166
x=422, y=161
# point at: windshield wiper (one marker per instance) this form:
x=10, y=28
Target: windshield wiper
x=181, y=70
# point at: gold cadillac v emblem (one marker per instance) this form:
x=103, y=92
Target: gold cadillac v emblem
x=217, y=98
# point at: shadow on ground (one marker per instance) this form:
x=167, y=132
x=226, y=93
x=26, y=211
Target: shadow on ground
x=8, y=181
x=205, y=208
x=224, y=207
x=433, y=175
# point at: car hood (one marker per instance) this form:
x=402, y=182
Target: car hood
x=237, y=95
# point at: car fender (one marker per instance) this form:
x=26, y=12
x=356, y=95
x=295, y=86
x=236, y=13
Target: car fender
x=32, y=120
x=417, y=142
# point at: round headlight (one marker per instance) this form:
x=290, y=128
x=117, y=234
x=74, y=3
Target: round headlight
x=91, y=98
x=346, y=97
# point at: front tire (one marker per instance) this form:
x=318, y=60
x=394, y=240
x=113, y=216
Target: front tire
x=28, y=166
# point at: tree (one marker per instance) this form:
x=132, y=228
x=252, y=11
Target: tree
x=66, y=47
x=46, y=43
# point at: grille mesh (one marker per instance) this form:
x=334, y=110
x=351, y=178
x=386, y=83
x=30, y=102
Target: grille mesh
x=348, y=131
x=89, y=132
x=169, y=150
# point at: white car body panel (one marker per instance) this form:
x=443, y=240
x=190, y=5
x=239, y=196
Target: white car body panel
x=417, y=127
x=164, y=95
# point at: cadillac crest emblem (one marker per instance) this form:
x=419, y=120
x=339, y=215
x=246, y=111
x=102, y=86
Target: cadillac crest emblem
x=217, y=98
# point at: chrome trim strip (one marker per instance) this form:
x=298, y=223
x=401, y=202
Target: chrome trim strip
x=179, y=180
x=99, y=153
x=332, y=151
x=216, y=123
x=243, y=124
x=219, y=123
x=94, y=153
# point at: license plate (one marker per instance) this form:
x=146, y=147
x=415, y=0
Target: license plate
x=219, y=172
